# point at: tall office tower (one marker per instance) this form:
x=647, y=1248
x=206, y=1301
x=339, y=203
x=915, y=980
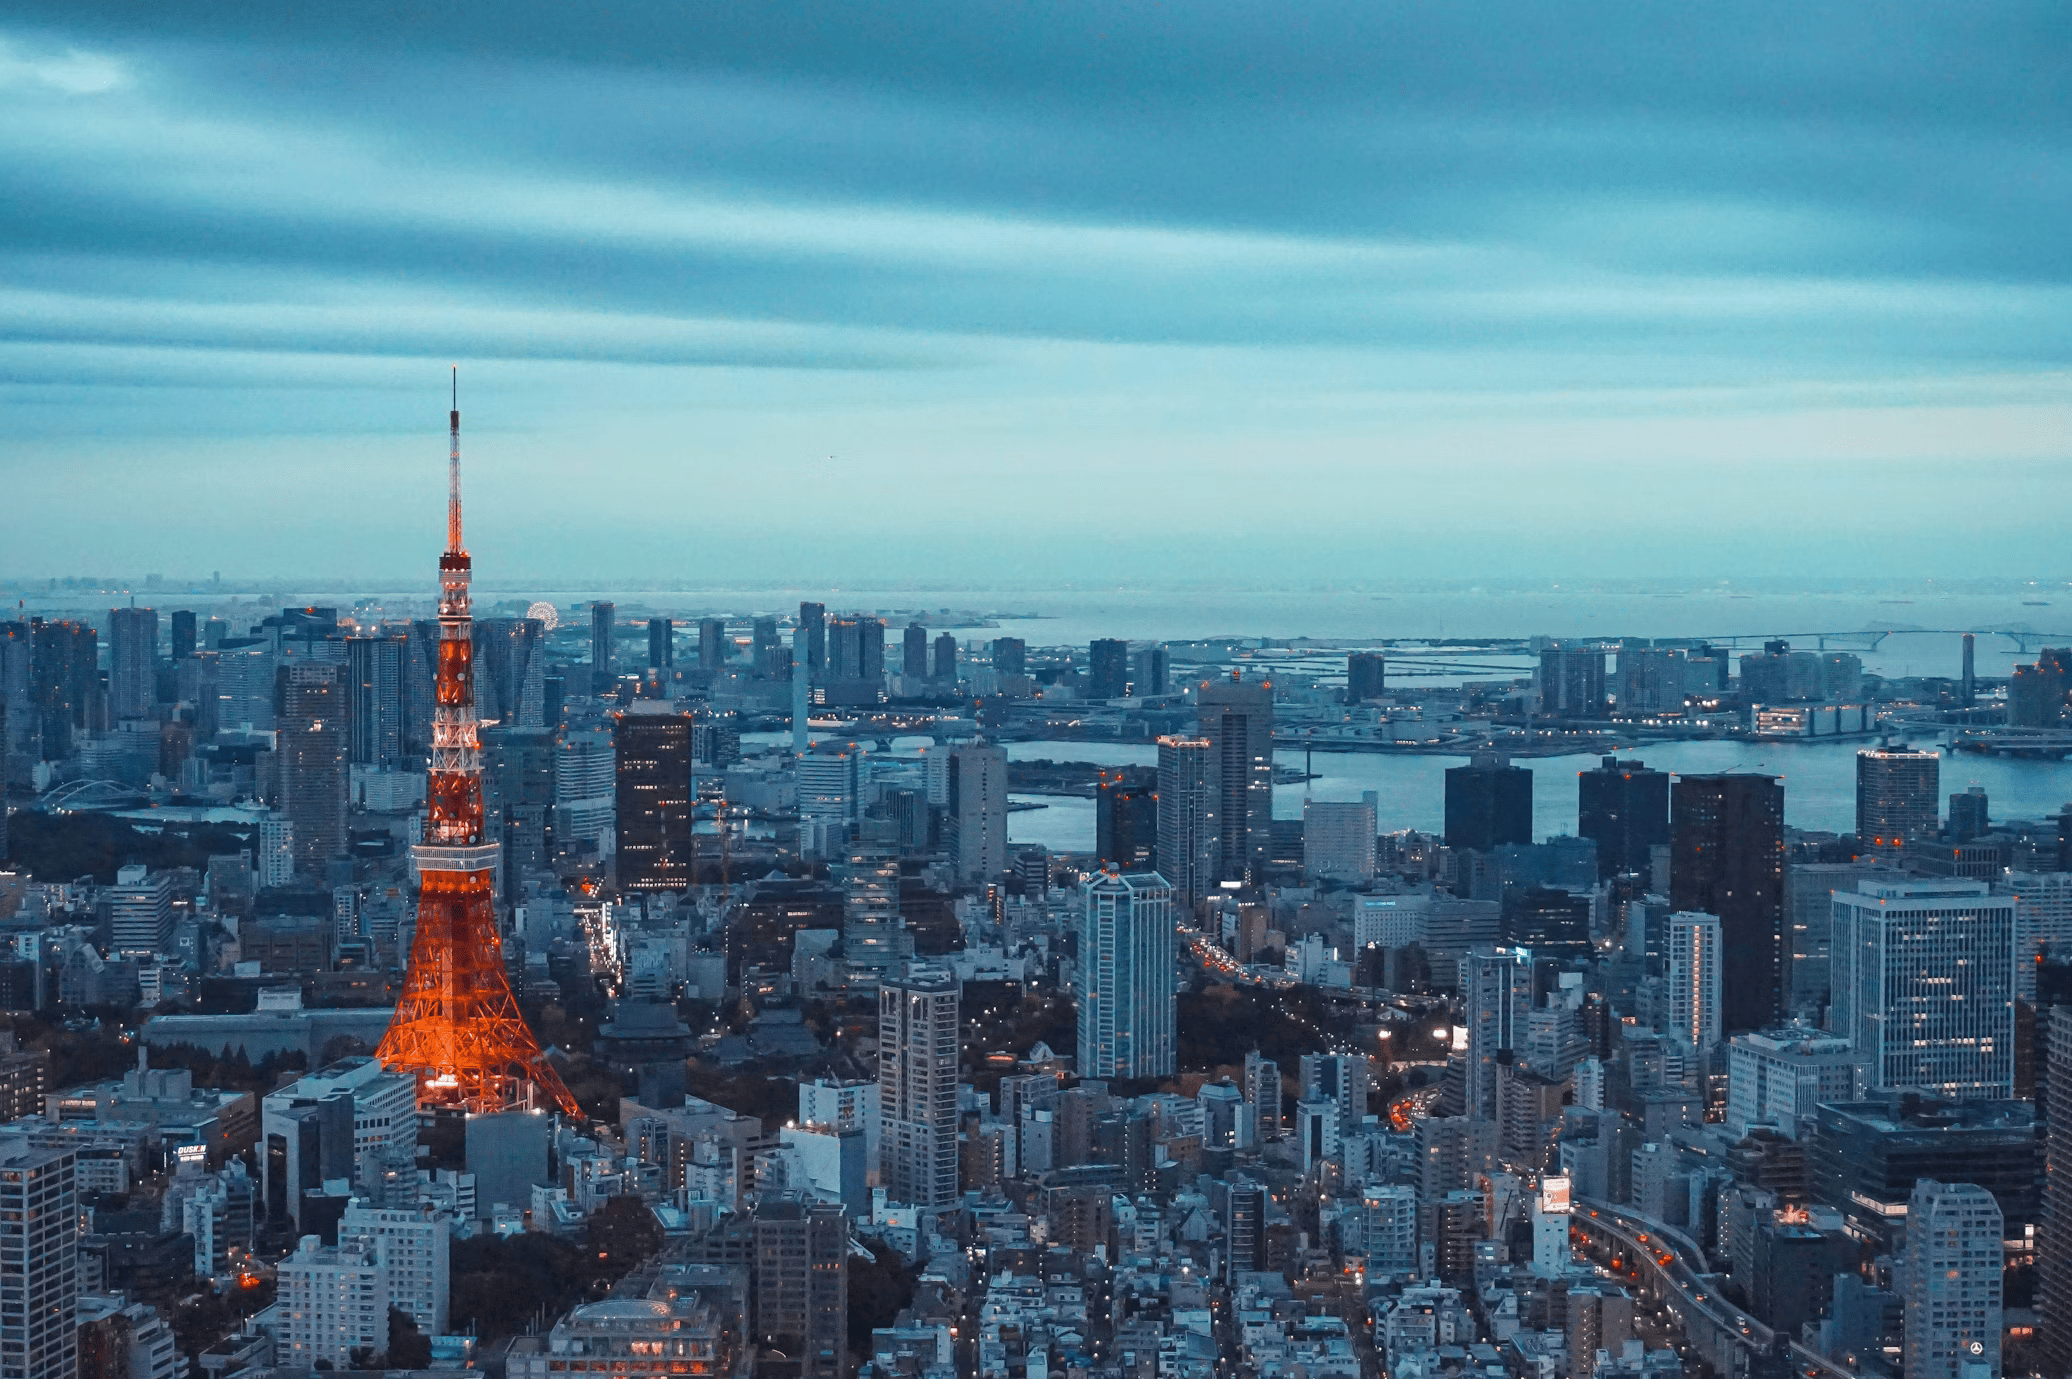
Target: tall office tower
x=830, y=791
x=875, y=941
x=1237, y=719
x=518, y=781
x=712, y=645
x=22, y=744
x=1010, y=655
x=1726, y=858
x=812, y=618
x=763, y=643
x=2054, y=1242
x=1897, y=791
x=977, y=814
x=1967, y=682
x=1623, y=807
x=1126, y=976
x=946, y=659
x=1970, y=814
x=913, y=659
x=1923, y=980
x=1187, y=831
x=511, y=671
x=374, y=701
x=457, y=1027
x=604, y=619
x=313, y=764
x=1263, y=1093
x=1126, y=823
x=64, y=681
x=917, y=1086
x=183, y=633
x=1148, y=675
x=1340, y=1079
x=801, y=678
x=140, y=918
x=2042, y=923
x=132, y=662
x=662, y=644
x=1488, y=801
x=1496, y=993
x=586, y=777
x=843, y=657
x=871, y=636
x=1951, y=1284
x=420, y=681
x=1338, y=839
x=1692, y=985
x=1572, y=682
x=802, y=1286
x=1366, y=676
x=1108, y=669
x=652, y=740
x=39, y=1259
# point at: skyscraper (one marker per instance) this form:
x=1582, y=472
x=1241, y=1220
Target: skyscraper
x=1366, y=674
x=1263, y=1093
x=1127, y=976
x=1693, y=981
x=1897, y=793
x=1236, y=717
x=1010, y=655
x=802, y=1286
x=1951, y=1283
x=652, y=741
x=917, y=1086
x=1148, y=672
x=1623, y=807
x=1572, y=682
x=1338, y=838
x=39, y=1306
x=510, y=671
x=1126, y=823
x=374, y=701
x=1339, y=1079
x=1726, y=839
x=874, y=937
x=132, y=662
x=661, y=644
x=946, y=658
x=183, y=633
x=913, y=660
x=813, y=618
x=1108, y=669
x=1187, y=831
x=712, y=645
x=312, y=746
x=1922, y=972
x=977, y=815
x=1496, y=993
x=603, y=644
x=1488, y=801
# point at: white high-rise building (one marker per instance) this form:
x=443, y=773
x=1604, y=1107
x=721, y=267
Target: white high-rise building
x=275, y=862
x=39, y=1262
x=1338, y=838
x=1779, y=1078
x=141, y=911
x=976, y=816
x=845, y=1106
x=586, y=773
x=1951, y=1281
x=412, y=1246
x=2042, y=923
x=1496, y=991
x=917, y=1086
x=1127, y=976
x=332, y=1300
x=1923, y=978
x=1691, y=951
x=1340, y=1079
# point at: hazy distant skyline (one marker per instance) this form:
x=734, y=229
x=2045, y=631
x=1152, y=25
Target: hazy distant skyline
x=946, y=291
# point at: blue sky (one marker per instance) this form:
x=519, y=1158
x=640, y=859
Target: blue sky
x=1089, y=291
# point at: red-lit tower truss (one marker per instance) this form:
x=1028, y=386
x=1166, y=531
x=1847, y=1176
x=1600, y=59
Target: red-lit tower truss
x=457, y=1026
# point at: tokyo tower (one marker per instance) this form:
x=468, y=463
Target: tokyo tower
x=457, y=1026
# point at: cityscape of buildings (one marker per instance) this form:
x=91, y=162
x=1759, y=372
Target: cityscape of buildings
x=660, y=996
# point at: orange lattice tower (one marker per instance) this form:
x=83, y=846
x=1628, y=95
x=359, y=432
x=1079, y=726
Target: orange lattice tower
x=457, y=1026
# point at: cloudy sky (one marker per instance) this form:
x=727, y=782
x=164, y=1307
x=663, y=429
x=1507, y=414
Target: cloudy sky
x=966, y=290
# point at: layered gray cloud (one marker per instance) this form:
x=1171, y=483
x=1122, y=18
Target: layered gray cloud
x=1231, y=262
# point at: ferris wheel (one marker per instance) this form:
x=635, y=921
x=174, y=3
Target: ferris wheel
x=543, y=612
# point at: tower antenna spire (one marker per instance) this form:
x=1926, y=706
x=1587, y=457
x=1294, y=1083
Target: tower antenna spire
x=453, y=474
